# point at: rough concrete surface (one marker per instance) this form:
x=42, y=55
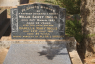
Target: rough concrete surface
x=37, y=54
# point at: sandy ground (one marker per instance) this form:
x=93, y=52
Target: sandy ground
x=90, y=60
x=3, y=53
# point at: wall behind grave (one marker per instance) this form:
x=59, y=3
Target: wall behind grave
x=12, y=2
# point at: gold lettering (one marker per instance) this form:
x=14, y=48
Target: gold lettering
x=37, y=16
x=50, y=31
x=51, y=28
x=37, y=7
x=45, y=36
x=37, y=33
x=30, y=33
x=39, y=28
x=24, y=16
x=23, y=10
x=31, y=19
x=41, y=20
x=41, y=6
x=37, y=22
x=51, y=20
x=30, y=23
x=36, y=36
x=38, y=10
x=16, y=36
x=50, y=25
x=48, y=16
x=46, y=7
x=25, y=28
x=40, y=36
x=45, y=25
x=26, y=25
x=57, y=36
x=53, y=10
x=24, y=19
x=27, y=8
x=25, y=31
x=44, y=33
x=55, y=16
x=33, y=30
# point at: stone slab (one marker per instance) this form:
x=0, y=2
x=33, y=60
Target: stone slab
x=75, y=58
x=37, y=54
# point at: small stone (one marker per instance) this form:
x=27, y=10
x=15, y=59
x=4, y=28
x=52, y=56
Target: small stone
x=93, y=60
x=85, y=63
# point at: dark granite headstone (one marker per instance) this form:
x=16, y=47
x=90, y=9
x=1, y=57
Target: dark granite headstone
x=38, y=21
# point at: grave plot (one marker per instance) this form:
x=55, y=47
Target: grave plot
x=44, y=27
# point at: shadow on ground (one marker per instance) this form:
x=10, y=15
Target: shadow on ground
x=53, y=49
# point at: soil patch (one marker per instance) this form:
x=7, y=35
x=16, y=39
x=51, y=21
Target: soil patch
x=3, y=53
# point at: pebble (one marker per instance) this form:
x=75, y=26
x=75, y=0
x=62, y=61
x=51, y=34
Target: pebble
x=93, y=60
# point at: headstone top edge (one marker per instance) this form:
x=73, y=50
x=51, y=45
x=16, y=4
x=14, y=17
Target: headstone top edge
x=36, y=3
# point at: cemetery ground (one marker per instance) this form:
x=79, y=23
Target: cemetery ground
x=3, y=51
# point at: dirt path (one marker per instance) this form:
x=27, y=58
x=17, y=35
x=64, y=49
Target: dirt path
x=90, y=60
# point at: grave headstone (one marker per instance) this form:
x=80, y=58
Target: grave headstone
x=38, y=21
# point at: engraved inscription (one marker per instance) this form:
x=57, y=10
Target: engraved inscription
x=39, y=21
